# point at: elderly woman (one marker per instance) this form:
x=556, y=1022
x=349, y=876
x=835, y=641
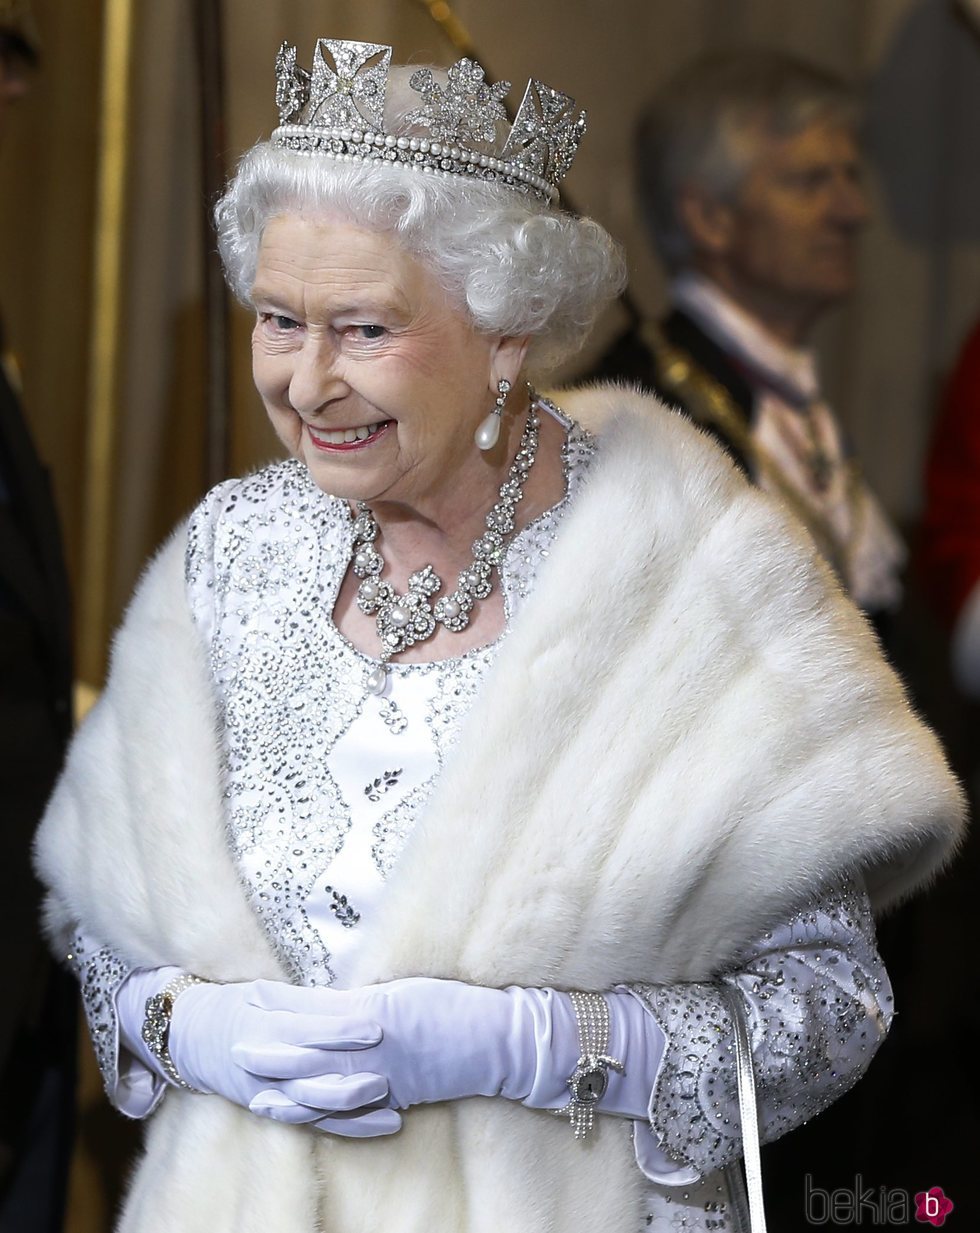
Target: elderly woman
x=475, y=803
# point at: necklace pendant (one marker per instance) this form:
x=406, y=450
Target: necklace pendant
x=404, y=620
x=376, y=681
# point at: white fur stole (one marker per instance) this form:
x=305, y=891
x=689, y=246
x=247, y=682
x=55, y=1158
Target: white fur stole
x=687, y=732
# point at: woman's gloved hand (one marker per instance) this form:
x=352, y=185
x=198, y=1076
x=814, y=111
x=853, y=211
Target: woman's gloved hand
x=444, y=1040
x=239, y=1040
x=437, y=1039
x=329, y=1057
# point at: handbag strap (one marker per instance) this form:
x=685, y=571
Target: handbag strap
x=748, y=1112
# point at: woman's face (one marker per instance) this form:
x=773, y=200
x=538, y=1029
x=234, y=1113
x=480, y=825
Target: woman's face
x=367, y=372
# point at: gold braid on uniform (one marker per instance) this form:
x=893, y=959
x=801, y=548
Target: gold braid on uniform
x=711, y=406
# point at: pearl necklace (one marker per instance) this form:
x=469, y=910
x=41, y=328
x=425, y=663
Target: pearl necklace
x=403, y=620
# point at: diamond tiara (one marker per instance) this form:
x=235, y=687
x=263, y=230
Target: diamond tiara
x=338, y=110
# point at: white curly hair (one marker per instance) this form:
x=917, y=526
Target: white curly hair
x=516, y=265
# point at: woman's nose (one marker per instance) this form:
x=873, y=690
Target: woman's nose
x=315, y=382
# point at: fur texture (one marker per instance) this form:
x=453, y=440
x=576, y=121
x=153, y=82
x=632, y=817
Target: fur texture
x=687, y=732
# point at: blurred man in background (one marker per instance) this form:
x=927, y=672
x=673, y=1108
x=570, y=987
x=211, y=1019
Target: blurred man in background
x=749, y=177
x=37, y=1011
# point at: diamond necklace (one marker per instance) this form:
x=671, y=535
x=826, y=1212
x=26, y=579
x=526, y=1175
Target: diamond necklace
x=403, y=620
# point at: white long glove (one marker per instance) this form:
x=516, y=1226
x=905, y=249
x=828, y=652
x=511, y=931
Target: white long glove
x=444, y=1040
x=313, y=1063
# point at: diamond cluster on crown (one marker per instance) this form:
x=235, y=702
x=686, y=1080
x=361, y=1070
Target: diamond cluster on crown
x=337, y=109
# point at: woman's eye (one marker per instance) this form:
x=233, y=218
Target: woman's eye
x=371, y=332
x=280, y=322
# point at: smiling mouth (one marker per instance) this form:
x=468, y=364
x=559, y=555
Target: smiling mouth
x=348, y=438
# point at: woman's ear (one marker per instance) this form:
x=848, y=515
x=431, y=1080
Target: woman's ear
x=506, y=360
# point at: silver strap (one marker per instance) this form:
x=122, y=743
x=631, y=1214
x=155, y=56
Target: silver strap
x=748, y=1112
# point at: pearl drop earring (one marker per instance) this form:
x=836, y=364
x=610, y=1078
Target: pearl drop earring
x=488, y=434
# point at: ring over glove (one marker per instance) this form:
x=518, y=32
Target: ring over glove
x=347, y=1060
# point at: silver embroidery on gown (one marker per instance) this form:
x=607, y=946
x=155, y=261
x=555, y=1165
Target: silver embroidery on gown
x=817, y=1004
x=100, y=972
x=265, y=559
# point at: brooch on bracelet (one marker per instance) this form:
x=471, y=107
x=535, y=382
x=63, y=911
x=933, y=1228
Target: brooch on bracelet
x=156, y=1025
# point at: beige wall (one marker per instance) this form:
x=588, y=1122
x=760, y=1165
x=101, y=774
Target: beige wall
x=883, y=354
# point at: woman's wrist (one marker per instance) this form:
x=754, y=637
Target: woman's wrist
x=155, y=1030
x=554, y=1054
x=140, y=986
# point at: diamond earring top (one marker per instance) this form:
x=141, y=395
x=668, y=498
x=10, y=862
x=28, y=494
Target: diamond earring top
x=337, y=110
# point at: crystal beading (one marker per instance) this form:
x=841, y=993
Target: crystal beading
x=339, y=112
x=404, y=620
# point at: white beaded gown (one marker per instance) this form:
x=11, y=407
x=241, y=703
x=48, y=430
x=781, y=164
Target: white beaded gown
x=324, y=782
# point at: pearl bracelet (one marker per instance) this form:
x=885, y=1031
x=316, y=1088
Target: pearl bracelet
x=590, y=1078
